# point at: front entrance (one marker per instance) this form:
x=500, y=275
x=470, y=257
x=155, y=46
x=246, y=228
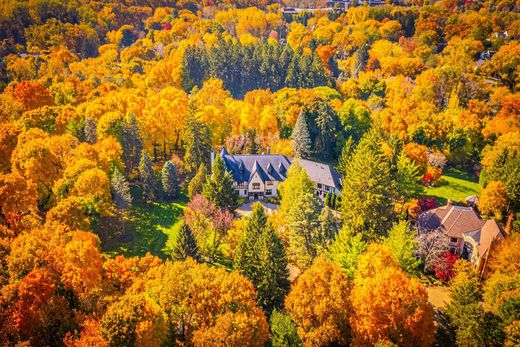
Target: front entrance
x=255, y=196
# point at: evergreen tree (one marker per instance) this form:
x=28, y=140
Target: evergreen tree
x=120, y=194
x=219, y=187
x=170, y=180
x=147, y=176
x=408, y=179
x=402, y=243
x=185, y=244
x=346, y=154
x=329, y=226
x=261, y=258
x=304, y=235
x=131, y=143
x=301, y=141
x=197, y=182
x=346, y=249
x=197, y=145
x=328, y=124
x=328, y=200
x=366, y=199
x=283, y=331
x=90, y=131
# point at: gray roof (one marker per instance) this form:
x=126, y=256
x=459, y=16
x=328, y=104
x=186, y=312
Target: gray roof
x=273, y=167
x=270, y=167
x=321, y=173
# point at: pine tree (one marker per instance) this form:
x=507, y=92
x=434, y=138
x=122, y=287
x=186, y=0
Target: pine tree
x=304, y=236
x=366, y=198
x=301, y=140
x=402, y=243
x=219, y=187
x=408, y=179
x=329, y=226
x=261, y=258
x=346, y=154
x=131, y=143
x=197, y=182
x=185, y=244
x=170, y=181
x=346, y=249
x=197, y=145
x=90, y=131
x=147, y=176
x=120, y=194
x=328, y=124
x=328, y=200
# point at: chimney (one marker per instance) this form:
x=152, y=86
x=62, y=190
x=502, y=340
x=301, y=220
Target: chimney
x=268, y=150
x=212, y=157
x=508, y=224
x=449, y=202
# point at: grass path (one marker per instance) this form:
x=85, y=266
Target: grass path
x=151, y=226
x=454, y=185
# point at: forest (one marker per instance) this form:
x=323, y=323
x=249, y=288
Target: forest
x=121, y=223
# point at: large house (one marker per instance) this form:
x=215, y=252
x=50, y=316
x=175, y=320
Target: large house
x=468, y=235
x=256, y=176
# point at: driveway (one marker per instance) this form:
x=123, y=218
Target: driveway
x=244, y=210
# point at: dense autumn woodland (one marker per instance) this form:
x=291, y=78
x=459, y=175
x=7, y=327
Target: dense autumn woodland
x=117, y=230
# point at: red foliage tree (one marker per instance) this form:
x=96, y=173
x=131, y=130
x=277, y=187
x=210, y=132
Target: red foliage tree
x=444, y=267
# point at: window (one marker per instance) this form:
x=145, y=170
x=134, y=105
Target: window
x=453, y=240
x=256, y=185
x=269, y=183
x=319, y=185
x=269, y=192
x=452, y=250
x=245, y=192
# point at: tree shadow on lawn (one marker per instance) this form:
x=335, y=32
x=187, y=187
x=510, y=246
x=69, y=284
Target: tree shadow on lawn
x=149, y=227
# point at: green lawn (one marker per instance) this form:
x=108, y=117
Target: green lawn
x=151, y=226
x=454, y=185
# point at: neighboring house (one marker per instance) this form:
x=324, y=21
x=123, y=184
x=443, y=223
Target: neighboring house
x=257, y=176
x=469, y=236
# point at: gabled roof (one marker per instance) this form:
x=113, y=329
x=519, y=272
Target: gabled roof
x=321, y=173
x=242, y=166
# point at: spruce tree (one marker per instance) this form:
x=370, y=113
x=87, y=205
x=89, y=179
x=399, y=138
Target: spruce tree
x=366, y=198
x=90, y=131
x=328, y=226
x=346, y=154
x=401, y=240
x=185, y=244
x=131, y=143
x=261, y=258
x=147, y=176
x=197, y=182
x=170, y=180
x=120, y=194
x=346, y=249
x=407, y=179
x=219, y=187
x=301, y=140
x=197, y=145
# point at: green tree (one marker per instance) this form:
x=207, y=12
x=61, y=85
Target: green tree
x=283, y=330
x=131, y=143
x=346, y=249
x=261, y=258
x=328, y=228
x=147, y=176
x=219, y=187
x=170, y=180
x=408, y=179
x=401, y=240
x=301, y=140
x=366, y=198
x=120, y=195
x=197, y=145
x=185, y=244
x=197, y=182
x=346, y=154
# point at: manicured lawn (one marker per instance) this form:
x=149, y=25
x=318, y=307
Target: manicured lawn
x=454, y=185
x=150, y=226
